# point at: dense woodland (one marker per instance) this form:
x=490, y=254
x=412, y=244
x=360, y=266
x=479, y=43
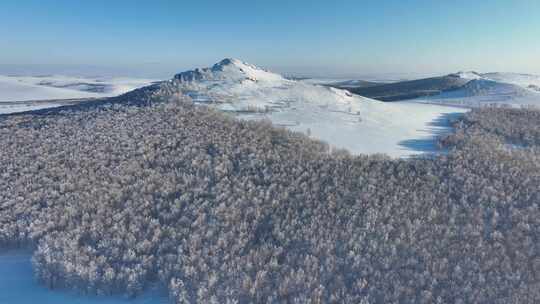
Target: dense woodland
x=116, y=198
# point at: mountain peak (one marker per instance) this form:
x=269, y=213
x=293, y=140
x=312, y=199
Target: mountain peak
x=229, y=61
x=468, y=75
x=230, y=69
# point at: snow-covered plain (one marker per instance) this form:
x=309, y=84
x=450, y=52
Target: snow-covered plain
x=17, y=286
x=17, y=107
x=22, y=89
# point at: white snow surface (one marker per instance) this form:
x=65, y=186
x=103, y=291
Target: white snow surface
x=26, y=88
x=18, y=286
x=469, y=75
x=400, y=129
x=8, y=108
x=358, y=124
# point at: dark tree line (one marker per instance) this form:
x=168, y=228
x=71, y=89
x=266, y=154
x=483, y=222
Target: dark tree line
x=224, y=211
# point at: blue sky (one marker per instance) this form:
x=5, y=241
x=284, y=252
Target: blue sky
x=340, y=36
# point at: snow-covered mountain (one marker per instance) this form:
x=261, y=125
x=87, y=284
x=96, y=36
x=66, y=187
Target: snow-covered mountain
x=233, y=85
x=342, y=119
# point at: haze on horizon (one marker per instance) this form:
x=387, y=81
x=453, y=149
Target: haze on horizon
x=344, y=37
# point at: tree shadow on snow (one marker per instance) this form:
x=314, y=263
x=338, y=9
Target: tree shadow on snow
x=439, y=127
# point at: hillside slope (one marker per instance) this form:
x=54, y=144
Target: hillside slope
x=483, y=91
x=469, y=89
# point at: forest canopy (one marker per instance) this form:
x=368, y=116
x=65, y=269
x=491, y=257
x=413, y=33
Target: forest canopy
x=115, y=198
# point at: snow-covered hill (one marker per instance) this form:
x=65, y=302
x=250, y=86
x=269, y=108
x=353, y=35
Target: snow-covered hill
x=233, y=85
x=491, y=88
x=522, y=80
x=344, y=120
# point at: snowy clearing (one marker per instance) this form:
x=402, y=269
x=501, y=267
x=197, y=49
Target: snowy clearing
x=400, y=129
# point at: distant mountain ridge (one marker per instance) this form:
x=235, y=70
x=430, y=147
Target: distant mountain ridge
x=411, y=89
x=471, y=88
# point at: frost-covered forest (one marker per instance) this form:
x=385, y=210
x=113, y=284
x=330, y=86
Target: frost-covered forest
x=116, y=198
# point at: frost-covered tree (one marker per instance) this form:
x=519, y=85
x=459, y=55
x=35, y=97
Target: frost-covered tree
x=116, y=197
